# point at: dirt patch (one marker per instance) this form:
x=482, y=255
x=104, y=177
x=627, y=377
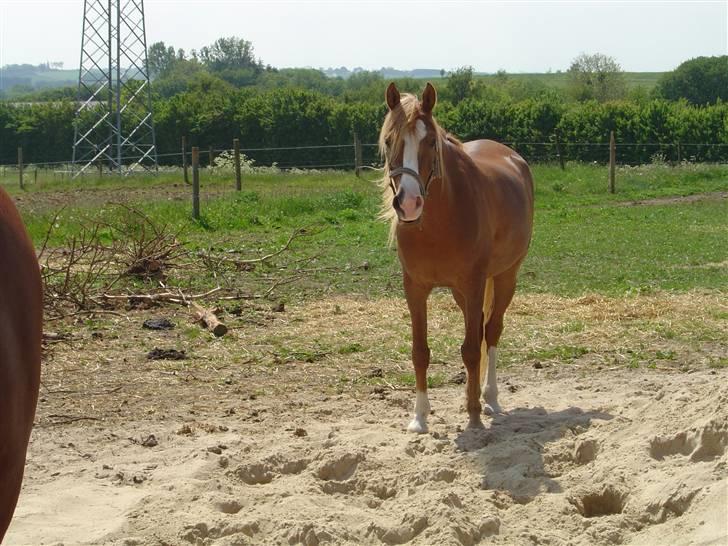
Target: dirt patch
x=46, y=201
x=279, y=432
x=712, y=196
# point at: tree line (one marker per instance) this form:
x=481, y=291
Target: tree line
x=290, y=117
x=223, y=92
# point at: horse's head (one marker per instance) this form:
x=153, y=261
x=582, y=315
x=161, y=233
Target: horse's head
x=410, y=141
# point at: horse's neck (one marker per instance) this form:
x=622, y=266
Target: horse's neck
x=456, y=164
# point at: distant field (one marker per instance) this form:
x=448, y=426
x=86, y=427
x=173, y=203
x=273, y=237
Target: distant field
x=648, y=80
x=45, y=79
x=61, y=78
x=647, y=237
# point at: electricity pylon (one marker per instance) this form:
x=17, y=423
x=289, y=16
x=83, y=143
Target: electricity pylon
x=114, y=125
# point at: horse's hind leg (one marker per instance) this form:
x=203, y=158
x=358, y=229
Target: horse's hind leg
x=417, y=303
x=504, y=287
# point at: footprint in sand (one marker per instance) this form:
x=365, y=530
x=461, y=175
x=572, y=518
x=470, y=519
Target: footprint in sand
x=606, y=501
x=268, y=469
x=702, y=443
x=340, y=467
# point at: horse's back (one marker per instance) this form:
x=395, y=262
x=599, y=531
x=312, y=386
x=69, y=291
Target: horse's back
x=20, y=351
x=491, y=156
x=508, y=175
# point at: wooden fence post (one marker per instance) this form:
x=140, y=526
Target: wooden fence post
x=35, y=177
x=612, y=161
x=679, y=153
x=195, y=183
x=20, y=167
x=238, y=175
x=184, y=159
x=357, y=154
x=558, y=152
x=212, y=158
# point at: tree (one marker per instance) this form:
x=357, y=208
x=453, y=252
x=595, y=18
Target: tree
x=703, y=80
x=161, y=59
x=597, y=77
x=460, y=84
x=229, y=53
x=178, y=77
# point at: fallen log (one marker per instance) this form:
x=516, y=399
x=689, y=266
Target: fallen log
x=208, y=318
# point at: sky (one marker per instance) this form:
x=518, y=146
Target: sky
x=516, y=36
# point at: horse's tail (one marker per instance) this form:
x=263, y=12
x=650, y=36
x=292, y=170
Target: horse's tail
x=487, y=312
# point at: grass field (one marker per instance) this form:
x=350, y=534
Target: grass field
x=560, y=80
x=650, y=235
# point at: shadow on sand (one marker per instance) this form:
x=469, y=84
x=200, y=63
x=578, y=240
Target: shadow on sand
x=522, y=452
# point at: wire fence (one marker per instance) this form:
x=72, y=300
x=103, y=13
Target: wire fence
x=347, y=157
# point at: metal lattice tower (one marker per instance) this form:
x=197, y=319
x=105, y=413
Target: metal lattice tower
x=114, y=124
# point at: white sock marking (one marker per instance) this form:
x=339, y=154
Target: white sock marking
x=422, y=410
x=490, y=390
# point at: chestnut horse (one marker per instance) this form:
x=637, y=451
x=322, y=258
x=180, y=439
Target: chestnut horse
x=21, y=318
x=462, y=216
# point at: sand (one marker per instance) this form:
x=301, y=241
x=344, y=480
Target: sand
x=587, y=454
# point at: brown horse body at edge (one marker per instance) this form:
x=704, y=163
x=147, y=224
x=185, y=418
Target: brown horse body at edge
x=462, y=216
x=21, y=318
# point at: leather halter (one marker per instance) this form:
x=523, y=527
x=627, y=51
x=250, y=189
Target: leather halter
x=434, y=172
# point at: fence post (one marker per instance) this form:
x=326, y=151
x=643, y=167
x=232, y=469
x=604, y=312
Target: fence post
x=195, y=183
x=679, y=153
x=357, y=154
x=100, y=166
x=211, y=157
x=20, y=166
x=612, y=160
x=184, y=159
x=238, y=176
x=35, y=177
x=558, y=152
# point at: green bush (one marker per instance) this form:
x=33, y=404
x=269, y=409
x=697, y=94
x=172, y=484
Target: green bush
x=213, y=113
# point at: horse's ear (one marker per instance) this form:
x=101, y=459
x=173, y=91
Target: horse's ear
x=429, y=99
x=392, y=96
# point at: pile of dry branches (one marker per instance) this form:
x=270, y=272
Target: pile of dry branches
x=106, y=265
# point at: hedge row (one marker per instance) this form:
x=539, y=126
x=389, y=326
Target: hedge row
x=289, y=117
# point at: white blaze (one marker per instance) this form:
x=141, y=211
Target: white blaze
x=411, y=151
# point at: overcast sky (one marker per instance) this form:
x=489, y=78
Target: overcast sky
x=518, y=36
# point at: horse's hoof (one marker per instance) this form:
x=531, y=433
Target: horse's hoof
x=475, y=423
x=417, y=426
x=492, y=409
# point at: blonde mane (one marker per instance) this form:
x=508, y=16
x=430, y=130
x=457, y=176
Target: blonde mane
x=396, y=121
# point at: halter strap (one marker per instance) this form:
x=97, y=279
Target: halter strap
x=435, y=171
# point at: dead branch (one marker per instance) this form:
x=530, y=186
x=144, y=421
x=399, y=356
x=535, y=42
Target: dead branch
x=173, y=297
x=298, y=232
x=208, y=318
x=67, y=419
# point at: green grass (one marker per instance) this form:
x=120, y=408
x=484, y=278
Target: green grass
x=564, y=353
x=434, y=380
x=560, y=80
x=585, y=240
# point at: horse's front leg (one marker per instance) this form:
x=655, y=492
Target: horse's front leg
x=471, y=349
x=417, y=302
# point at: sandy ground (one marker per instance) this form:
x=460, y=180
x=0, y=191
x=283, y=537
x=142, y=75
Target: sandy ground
x=279, y=434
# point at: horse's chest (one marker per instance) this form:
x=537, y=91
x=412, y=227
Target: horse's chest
x=430, y=261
